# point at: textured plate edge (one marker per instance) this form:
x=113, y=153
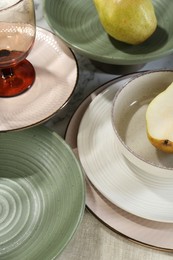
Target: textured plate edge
x=83, y=199
x=82, y=209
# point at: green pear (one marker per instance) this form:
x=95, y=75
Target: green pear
x=159, y=120
x=129, y=21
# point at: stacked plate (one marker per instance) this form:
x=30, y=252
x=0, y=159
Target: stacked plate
x=136, y=204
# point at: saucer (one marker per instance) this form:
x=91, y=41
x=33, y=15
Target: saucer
x=56, y=78
x=150, y=233
x=42, y=194
x=123, y=184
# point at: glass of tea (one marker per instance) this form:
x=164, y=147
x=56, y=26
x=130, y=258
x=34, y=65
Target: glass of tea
x=17, y=35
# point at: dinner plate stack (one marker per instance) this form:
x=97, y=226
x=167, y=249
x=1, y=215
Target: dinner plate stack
x=134, y=203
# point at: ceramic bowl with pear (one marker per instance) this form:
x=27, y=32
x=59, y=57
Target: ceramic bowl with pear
x=142, y=119
x=114, y=32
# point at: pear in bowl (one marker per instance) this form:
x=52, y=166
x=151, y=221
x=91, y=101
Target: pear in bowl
x=159, y=119
x=132, y=117
x=132, y=22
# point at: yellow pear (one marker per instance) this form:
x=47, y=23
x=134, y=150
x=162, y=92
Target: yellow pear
x=129, y=21
x=159, y=120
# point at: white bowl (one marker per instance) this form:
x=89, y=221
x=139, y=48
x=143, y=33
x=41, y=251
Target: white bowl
x=129, y=122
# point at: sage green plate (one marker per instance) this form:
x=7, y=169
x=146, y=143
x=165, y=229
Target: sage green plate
x=42, y=194
x=77, y=23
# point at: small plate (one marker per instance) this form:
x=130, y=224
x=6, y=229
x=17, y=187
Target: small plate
x=56, y=78
x=77, y=23
x=42, y=194
x=123, y=184
x=150, y=233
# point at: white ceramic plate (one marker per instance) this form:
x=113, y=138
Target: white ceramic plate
x=119, y=181
x=151, y=233
x=56, y=77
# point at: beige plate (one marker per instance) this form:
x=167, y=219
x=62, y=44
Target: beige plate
x=56, y=77
x=151, y=233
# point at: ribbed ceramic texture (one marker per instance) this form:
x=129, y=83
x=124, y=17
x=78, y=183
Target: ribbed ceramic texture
x=126, y=186
x=41, y=194
x=56, y=78
x=77, y=23
x=154, y=234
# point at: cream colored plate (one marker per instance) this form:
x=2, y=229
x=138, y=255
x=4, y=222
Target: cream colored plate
x=120, y=182
x=56, y=78
x=155, y=234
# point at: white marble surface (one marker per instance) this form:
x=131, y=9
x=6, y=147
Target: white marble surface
x=93, y=240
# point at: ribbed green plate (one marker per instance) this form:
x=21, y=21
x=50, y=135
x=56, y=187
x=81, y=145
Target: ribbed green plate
x=42, y=194
x=77, y=23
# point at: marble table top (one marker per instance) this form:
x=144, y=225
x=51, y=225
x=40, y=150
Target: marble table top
x=93, y=240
